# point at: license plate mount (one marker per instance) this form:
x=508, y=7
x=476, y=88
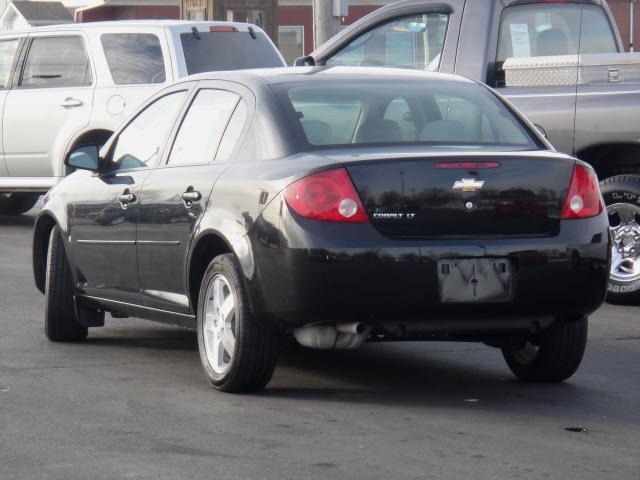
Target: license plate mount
x=469, y=280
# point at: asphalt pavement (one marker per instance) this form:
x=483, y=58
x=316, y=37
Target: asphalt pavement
x=132, y=403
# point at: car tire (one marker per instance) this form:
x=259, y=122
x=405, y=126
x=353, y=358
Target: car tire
x=555, y=356
x=225, y=318
x=17, y=203
x=60, y=319
x=622, y=198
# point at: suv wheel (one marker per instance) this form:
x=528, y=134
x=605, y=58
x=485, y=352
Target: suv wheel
x=237, y=353
x=17, y=203
x=60, y=319
x=555, y=356
x=622, y=197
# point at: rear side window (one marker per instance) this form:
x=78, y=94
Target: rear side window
x=414, y=42
x=56, y=62
x=134, y=58
x=8, y=50
x=202, y=128
x=217, y=51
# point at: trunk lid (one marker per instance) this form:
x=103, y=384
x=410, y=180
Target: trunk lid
x=468, y=195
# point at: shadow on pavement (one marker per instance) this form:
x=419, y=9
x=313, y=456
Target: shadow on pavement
x=406, y=374
x=17, y=220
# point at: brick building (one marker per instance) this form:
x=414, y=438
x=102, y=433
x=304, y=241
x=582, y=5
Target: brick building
x=627, y=14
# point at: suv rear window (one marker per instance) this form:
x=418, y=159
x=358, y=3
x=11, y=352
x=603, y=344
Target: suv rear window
x=215, y=51
x=134, y=58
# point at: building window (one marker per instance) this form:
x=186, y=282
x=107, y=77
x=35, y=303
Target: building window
x=247, y=16
x=196, y=14
x=291, y=42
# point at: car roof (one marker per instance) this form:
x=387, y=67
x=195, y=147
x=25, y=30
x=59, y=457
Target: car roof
x=130, y=23
x=278, y=75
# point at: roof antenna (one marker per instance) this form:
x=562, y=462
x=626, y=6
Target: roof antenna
x=252, y=32
x=196, y=33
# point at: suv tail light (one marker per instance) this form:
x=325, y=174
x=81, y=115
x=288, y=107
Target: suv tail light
x=328, y=196
x=583, y=198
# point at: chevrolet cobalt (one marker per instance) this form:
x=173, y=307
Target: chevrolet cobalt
x=334, y=206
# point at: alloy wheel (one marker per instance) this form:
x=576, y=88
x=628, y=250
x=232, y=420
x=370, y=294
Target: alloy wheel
x=624, y=224
x=219, y=324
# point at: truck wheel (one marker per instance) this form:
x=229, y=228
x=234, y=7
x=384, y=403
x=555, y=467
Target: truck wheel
x=61, y=323
x=555, y=356
x=17, y=203
x=622, y=198
x=237, y=353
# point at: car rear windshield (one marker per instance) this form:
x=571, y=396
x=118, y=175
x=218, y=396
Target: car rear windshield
x=402, y=112
x=216, y=51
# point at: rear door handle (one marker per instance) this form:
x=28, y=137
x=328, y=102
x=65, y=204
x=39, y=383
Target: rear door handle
x=71, y=102
x=191, y=196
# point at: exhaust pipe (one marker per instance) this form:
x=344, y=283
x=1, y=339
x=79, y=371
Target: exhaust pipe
x=340, y=336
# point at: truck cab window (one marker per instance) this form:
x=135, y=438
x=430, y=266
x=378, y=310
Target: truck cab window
x=552, y=29
x=414, y=41
x=539, y=30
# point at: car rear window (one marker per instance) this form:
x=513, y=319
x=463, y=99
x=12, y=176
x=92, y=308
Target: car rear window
x=402, y=112
x=228, y=50
x=134, y=58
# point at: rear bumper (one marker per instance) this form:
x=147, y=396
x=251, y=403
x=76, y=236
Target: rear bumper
x=27, y=184
x=308, y=272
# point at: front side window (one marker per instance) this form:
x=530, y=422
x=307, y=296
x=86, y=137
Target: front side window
x=441, y=114
x=8, y=50
x=202, y=128
x=56, y=62
x=142, y=141
x=414, y=42
x=134, y=58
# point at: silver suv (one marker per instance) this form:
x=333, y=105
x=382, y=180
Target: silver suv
x=66, y=86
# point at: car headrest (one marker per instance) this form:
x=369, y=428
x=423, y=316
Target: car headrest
x=379, y=130
x=442, y=131
x=551, y=42
x=317, y=131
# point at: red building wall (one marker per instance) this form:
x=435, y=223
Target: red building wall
x=303, y=15
x=621, y=12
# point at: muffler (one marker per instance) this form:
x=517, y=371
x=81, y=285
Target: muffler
x=339, y=336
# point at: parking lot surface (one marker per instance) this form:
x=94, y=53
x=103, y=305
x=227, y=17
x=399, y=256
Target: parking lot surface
x=132, y=403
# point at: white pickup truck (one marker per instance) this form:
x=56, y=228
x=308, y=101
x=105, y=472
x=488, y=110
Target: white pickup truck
x=65, y=86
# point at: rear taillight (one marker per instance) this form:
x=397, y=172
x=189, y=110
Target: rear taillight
x=583, y=199
x=328, y=196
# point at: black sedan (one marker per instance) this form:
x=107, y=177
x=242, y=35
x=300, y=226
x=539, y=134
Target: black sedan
x=335, y=206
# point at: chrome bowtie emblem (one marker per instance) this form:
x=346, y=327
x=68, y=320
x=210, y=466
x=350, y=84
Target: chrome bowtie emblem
x=468, y=185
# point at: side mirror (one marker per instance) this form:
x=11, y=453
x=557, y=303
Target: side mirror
x=306, y=61
x=541, y=130
x=84, y=158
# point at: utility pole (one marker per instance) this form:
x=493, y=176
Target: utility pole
x=326, y=19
